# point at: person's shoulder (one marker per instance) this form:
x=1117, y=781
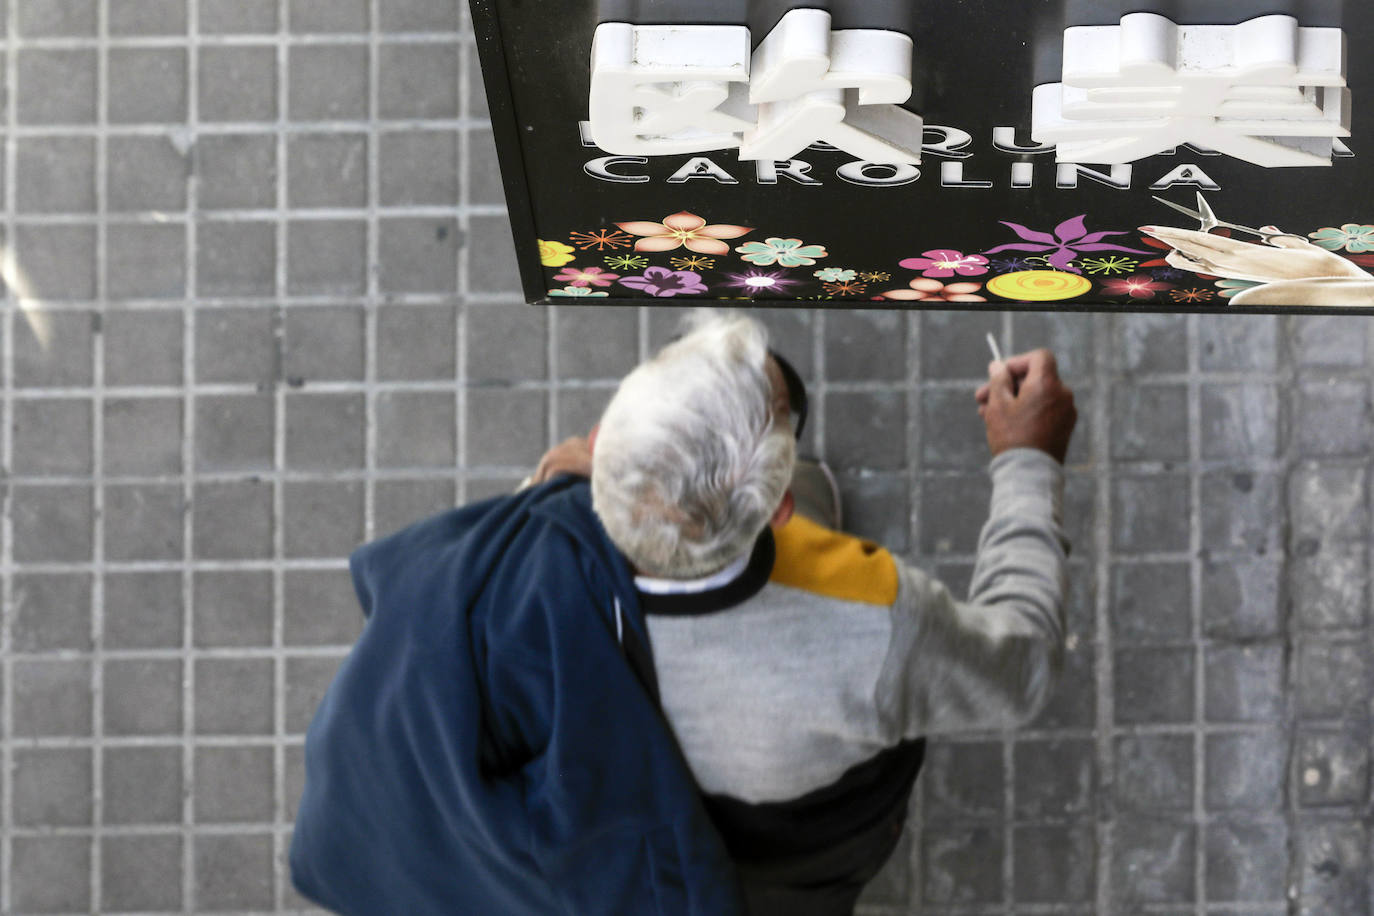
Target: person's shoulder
x=833, y=564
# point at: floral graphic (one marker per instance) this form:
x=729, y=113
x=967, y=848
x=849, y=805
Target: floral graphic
x=693, y=262
x=627, y=261
x=1010, y=265
x=1137, y=287
x=1070, y=238
x=577, y=292
x=1110, y=265
x=1192, y=295
x=1231, y=288
x=758, y=281
x=783, y=252
x=946, y=263
x=585, y=276
x=554, y=254
x=683, y=229
x=1350, y=237
x=927, y=289
x=835, y=275
x=875, y=276
x=600, y=239
x=665, y=283
x=845, y=287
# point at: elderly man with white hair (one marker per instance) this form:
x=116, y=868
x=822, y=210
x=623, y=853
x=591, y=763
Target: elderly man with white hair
x=676, y=694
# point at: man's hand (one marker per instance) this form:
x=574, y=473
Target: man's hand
x=571, y=456
x=1025, y=405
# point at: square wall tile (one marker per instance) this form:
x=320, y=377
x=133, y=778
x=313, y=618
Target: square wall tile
x=1332, y=678
x=56, y=18
x=142, y=436
x=52, y=698
x=236, y=171
x=143, y=347
x=55, y=175
x=226, y=17
x=233, y=520
x=322, y=518
x=236, y=259
x=52, y=437
x=1327, y=503
x=1246, y=770
x=1074, y=702
x=952, y=511
x=52, y=787
x=1332, y=768
x=417, y=343
x=1149, y=344
x=233, y=871
x=235, y=432
x=145, y=262
x=490, y=265
x=1240, y=421
x=1238, y=343
x=596, y=343
x=233, y=784
x=52, y=523
x=865, y=346
x=507, y=428
x=419, y=16
x=1330, y=586
x=1244, y=683
x=1332, y=418
x=506, y=343
x=1149, y=422
x=963, y=865
x=56, y=86
x=954, y=344
x=1242, y=598
x=307, y=679
x=1332, y=861
x=323, y=344
x=872, y=426
x=1154, y=685
x=963, y=780
x=1153, y=861
x=143, y=610
x=143, y=785
x=41, y=871
x=1327, y=341
x=327, y=258
x=142, y=696
x=1154, y=772
x=321, y=608
x=325, y=431
x=232, y=608
x=236, y=345
x=326, y=170
x=416, y=429
x=141, y=872
x=1247, y=861
x=329, y=16
x=60, y=357
x=144, y=522
x=238, y=83
x=148, y=17
x=418, y=168
x=1054, y=864
x=147, y=85
x=952, y=434
x=1151, y=513
x=418, y=254
x=579, y=409
x=1054, y=778
x=397, y=503
x=51, y=612
x=328, y=83
x=1241, y=511
x=58, y=261
x=1151, y=603
x=234, y=696
x=418, y=81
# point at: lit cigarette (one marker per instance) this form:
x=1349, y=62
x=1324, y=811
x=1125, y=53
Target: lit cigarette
x=996, y=351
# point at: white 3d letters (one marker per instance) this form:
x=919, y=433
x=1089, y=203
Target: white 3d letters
x=1267, y=91
x=673, y=90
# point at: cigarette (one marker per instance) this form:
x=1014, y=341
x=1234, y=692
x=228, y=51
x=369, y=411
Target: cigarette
x=996, y=351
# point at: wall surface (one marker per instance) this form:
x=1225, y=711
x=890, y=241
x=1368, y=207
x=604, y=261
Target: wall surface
x=261, y=305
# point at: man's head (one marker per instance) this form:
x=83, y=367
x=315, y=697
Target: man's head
x=693, y=455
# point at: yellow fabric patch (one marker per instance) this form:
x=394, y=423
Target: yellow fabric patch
x=815, y=559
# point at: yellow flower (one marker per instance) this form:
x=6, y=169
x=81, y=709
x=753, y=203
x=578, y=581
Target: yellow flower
x=555, y=254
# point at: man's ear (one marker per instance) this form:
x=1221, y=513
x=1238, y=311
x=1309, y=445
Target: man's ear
x=783, y=514
x=591, y=439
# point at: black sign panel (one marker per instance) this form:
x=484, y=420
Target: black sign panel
x=988, y=219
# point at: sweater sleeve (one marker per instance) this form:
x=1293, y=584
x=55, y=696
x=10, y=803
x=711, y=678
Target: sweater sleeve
x=990, y=661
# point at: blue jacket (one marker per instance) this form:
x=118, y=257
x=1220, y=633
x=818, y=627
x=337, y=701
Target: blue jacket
x=487, y=748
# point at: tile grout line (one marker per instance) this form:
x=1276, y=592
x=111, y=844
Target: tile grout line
x=280, y=286
x=102, y=241
x=371, y=301
x=462, y=286
x=915, y=329
x=1104, y=328
x=1193, y=349
x=188, y=467
x=7, y=445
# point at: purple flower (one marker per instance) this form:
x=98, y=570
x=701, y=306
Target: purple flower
x=665, y=283
x=1070, y=238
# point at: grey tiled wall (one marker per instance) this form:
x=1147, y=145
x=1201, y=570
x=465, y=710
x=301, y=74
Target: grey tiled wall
x=261, y=305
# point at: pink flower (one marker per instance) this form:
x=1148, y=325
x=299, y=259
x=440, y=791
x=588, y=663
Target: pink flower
x=683, y=229
x=586, y=276
x=946, y=263
x=927, y=290
x=1137, y=287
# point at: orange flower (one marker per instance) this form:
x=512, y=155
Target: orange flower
x=683, y=229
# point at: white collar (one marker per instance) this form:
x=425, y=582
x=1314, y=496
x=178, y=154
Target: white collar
x=654, y=586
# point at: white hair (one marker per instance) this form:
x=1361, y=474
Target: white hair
x=691, y=460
